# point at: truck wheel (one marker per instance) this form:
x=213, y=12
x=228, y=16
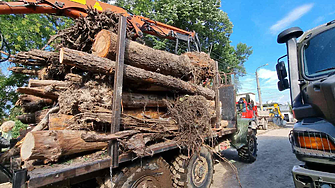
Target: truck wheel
x=150, y=173
x=248, y=152
x=264, y=124
x=196, y=172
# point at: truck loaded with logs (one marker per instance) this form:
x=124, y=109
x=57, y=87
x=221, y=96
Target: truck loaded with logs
x=108, y=111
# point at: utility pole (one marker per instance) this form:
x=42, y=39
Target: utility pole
x=259, y=88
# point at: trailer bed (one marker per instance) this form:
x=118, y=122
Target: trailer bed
x=49, y=174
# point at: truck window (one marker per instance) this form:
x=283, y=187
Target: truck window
x=319, y=54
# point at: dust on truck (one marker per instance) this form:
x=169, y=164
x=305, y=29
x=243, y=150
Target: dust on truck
x=311, y=68
x=142, y=150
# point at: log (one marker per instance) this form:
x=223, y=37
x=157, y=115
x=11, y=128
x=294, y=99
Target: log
x=95, y=137
x=142, y=56
x=43, y=93
x=138, y=100
x=51, y=145
x=16, y=149
x=32, y=117
x=43, y=83
x=97, y=64
x=23, y=70
x=44, y=122
x=34, y=57
x=62, y=122
x=59, y=121
x=30, y=103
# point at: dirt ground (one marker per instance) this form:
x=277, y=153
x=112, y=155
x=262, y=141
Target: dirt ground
x=271, y=169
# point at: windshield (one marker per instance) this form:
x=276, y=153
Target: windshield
x=319, y=54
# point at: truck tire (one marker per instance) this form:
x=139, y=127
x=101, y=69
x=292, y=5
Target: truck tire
x=196, y=172
x=248, y=153
x=152, y=172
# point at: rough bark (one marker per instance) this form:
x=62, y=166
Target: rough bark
x=138, y=100
x=95, y=137
x=143, y=57
x=23, y=70
x=32, y=117
x=51, y=145
x=43, y=93
x=59, y=121
x=34, y=57
x=30, y=103
x=85, y=121
x=44, y=122
x=43, y=83
x=97, y=64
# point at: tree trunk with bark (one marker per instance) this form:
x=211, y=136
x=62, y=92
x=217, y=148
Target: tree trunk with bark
x=43, y=83
x=32, y=117
x=34, y=57
x=51, y=145
x=23, y=70
x=96, y=64
x=43, y=93
x=30, y=103
x=143, y=57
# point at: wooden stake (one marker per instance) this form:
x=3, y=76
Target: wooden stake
x=118, y=84
x=216, y=90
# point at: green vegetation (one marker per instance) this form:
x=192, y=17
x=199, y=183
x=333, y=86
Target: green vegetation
x=22, y=33
x=212, y=25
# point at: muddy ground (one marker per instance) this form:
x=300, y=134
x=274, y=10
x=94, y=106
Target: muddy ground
x=271, y=169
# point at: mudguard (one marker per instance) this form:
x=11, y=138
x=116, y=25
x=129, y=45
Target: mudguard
x=239, y=139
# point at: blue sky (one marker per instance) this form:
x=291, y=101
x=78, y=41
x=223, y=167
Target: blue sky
x=257, y=23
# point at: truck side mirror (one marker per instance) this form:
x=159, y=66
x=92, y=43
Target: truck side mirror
x=282, y=74
x=281, y=70
x=283, y=84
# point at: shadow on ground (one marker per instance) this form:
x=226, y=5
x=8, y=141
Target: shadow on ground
x=271, y=169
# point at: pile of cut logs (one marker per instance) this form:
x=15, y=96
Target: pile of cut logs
x=70, y=104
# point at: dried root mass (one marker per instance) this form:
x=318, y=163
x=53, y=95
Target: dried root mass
x=193, y=119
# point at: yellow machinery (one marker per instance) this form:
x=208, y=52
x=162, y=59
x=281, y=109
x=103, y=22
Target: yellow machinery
x=275, y=114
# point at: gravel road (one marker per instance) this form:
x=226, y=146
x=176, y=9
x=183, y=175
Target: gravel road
x=271, y=169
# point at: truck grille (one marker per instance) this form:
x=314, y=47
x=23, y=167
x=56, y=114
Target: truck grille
x=309, y=143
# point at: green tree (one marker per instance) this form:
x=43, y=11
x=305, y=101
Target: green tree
x=212, y=25
x=22, y=33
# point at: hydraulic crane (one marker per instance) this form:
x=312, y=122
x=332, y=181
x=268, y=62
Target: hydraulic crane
x=77, y=8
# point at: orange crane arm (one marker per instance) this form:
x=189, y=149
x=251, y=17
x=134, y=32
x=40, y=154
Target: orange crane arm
x=77, y=8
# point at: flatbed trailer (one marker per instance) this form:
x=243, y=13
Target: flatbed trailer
x=73, y=173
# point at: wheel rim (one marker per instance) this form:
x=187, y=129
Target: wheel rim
x=200, y=171
x=146, y=182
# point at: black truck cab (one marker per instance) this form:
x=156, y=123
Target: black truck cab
x=311, y=71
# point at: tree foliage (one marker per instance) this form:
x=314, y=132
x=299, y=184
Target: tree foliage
x=212, y=25
x=22, y=33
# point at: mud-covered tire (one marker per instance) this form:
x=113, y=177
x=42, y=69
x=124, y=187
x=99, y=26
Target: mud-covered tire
x=248, y=153
x=152, y=172
x=196, y=172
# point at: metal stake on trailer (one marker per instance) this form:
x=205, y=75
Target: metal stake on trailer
x=117, y=93
x=216, y=89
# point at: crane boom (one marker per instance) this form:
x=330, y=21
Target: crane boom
x=77, y=8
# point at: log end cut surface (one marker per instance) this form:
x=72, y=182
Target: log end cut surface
x=27, y=146
x=102, y=44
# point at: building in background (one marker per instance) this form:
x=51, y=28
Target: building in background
x=252, y=96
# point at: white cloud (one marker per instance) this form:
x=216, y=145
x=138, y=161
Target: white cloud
x=268, y=84
x=269, y=76
x=291, y=17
